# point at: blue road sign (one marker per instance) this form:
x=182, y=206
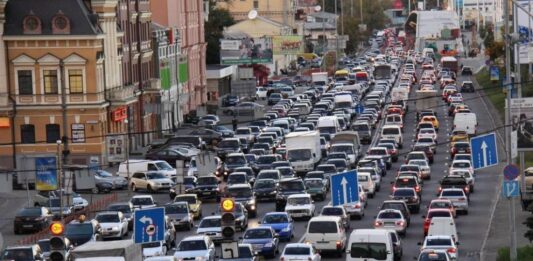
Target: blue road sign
x=511, y=189
x=484, y=151
x=149, y=225
x=359, y=108
x=344, y=188
x=510, y=172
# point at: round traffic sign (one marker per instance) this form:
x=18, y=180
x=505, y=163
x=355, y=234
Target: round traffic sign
x=150, y=230
x=510, y=172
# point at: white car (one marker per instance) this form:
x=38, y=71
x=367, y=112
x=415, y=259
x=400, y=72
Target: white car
x=210, y=226
x=261, y=93
x=458, y=198
x=78, y=202
x=391, y=219
x=113, y=224
x=368, y=184
x=425, y=169
x=153, y=249
x=375, y=176
x=142, y=201
x=441, y=243
x=161, y=258
x=427, y=133
x=300, y=252
x=196, y=248
x=461, y=165
x=300, y=206
x=244, y=132
x=470, y=178
x=357, y=209
x=211, y=117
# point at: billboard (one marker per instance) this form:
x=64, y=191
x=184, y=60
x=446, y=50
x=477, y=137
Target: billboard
x=522, y=120
x=116, y=148
x=287, y=44
x=46, y=173
x=522, y=23
x=246, y=51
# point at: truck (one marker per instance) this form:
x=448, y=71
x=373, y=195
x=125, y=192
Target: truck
x=383, y=72
x=426, y=100
x=319, y=78
x=449, y=62
x=344, y=101
x=347, y=141
x=400, y=96
x=124, y=250
x=303, y=150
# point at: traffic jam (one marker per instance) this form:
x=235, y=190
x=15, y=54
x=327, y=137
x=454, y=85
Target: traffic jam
x=386, y=121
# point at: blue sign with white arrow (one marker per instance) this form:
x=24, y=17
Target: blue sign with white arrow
x=484, y=151
x=344, y=188
x=149, y=225
x=510, y=189
x=359, y=108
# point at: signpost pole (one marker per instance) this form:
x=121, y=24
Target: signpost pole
x=59, y=173
x=127, y=145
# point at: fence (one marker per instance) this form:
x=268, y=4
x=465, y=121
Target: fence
x=92, y=208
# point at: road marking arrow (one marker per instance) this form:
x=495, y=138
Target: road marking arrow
x=484, y=148
x=344, y=182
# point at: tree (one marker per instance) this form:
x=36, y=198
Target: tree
x=214, y=29
x=351, y=28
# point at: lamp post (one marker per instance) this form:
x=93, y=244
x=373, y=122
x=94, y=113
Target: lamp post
x=60, y=178
x=127, y=149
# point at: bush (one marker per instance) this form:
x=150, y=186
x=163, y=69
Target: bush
x=525, y=253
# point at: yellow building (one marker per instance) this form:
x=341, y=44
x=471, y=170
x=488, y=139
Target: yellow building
x=54, y=61
x=281, y=11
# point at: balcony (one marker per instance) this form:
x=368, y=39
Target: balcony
x=123, y=95
x=55, y=99
x=153, y=86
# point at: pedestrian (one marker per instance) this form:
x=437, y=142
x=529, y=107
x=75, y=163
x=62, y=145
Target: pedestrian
x=234, y=122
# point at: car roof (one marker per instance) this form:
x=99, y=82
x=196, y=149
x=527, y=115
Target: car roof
x=194, y=238
x=325, y=218
x=301, y=195
x=240, y=186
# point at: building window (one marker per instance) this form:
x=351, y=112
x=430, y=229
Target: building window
x=75, y=81
x=31, y=25
x=25, y=82
x=256, y=4
x=50, y=81
x=27, y=133
x=52, y=133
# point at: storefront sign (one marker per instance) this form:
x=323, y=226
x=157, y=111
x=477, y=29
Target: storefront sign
x=120, y=114
x=78, y=133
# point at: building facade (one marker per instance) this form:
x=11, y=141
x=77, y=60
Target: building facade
x=187, y=16
x=489, y=11
x=281, y=11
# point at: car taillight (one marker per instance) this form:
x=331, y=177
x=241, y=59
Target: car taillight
x=393, y=188
x=338, y=244
x=378, y=223
x=281, y=259
x=452, y=250
x=467, y=188
x=440, y=189
x=400, y=223
x=417, y=188
x=357, y=205
x=461, y=199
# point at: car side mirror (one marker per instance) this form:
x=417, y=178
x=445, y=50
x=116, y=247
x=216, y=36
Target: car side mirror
x=423, y=216
x=419, y=243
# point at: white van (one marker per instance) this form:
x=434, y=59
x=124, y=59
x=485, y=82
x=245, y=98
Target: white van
x=328, y=124
x=393, y=132
x=146, y=165
x=365, y=179
x=443, y=226
x=428, y=52
x=465, y=121
x=361, y=240
x=326, y=233
x=394, y=119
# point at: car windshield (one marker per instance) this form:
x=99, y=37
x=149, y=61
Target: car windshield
x=321, y=227
x=360, y=127
x=275, y=219
x=299, y=155
x=314, y=183
x=391, y=131
x=462, y=165
x=44, y=245
x=240, y=192
x=326, y=169
x=142, y=201
x=192, y=245
x=176, y=209
x=188, y=199
x=332, y=211
x=266, y=159
x=292, y=251
x=338, y=163
x=258, y=233
x=377, y=251
x=362, y=178
x=452, y=193
x=103, y=173
x=210, y=222
x=418, y=162
x=404, y=193
x=122, y=208
x=342, y=148
x=296, y=185
x=163, y=165
x=236, y=179
x=228, y=144
x=425, y=140
x=461, y=145
x=261, y=184
x=79, y=229
x=207, y=181
x=440, y=204
x=155, y=175
x=236, y=160
x=438, y=242
x=298, y=201
x=188, y=180
x=29, y=212
x=107, y=218
x=268, y=175
x=19, y=254
x=389, y=215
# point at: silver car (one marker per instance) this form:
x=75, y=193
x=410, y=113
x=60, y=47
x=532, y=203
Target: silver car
x=151, y=180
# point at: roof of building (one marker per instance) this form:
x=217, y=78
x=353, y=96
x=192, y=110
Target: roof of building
x=82, y=22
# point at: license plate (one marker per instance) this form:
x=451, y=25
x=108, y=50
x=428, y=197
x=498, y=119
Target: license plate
x=322, y=242
x=389, y=224
x=206, y=193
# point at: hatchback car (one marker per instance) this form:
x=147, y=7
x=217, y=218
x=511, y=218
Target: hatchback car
x=410, y=197
x=32, y=219
x=300, y=252
x=281, y=222
x=441, y=243
x=152, y=181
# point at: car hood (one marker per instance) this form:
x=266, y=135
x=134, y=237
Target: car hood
x=206, y=187
x=298, y=207
x=257, y=241
x=291, y=192
x=277, y=226
x=189, y=254
x=264, y=190
x=314, y=190
x=105, y=226
x=243, y=199
x=163, y=180
x=201, y=230
x=178, y=217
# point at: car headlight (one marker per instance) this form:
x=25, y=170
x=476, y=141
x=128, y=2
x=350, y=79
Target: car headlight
x=199, y=258
x=251, y=202
x=172, y=190
x=269, y=244
x=286, y=229
x=114, y=228
x=272, y=192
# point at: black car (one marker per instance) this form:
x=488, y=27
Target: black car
x=410, y=197
x=265, y=161
x=207, y=187
x=170, y=154
x=467, y=86
x=227, y=146
x=243, y=194
x=127, y=210
x=80, y=231
x=265, y=189
x=32, y=219
x=287, y=187
x=207, y=135
x=230, y=100
x=467, y=70
x=454, y=182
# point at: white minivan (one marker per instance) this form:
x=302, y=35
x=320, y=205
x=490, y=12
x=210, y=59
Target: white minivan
x=465, y=121
x=146, y=165
x=326, y=233
x=443, y=226
x=369, y=245
x=365, y=179
x=328, y=124
x=393, y=132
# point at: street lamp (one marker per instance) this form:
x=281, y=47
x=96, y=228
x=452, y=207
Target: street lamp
x=60, y=178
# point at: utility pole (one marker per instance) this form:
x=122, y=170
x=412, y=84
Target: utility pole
x=325, y=38
x=60, y=179
x=336, y=36
x=478, y=14
x=351, y=8
x=509, y=87
x=361, y=10
x=518, y=45
x=529, y=39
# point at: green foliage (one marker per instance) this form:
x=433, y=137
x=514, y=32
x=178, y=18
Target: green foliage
x=524, y=253
x=351, y=28
x=214, y=28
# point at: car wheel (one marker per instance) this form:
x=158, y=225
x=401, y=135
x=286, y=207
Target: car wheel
x=16, y=231
x=471, y=189
x=150, y=189
x=95, y=190
x=133, y=187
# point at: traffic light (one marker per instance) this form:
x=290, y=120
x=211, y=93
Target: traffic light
x=227, y=220
x=57, y=242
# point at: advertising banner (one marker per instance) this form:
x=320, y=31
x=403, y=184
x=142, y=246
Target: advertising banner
x=287, y=44
x=246, y=51
x=45, y=173
x=116, y=148
x=522, y=120
x=494, y=73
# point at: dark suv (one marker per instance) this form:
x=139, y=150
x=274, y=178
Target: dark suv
x=207, y=187
x=410, y=197
x=454, y=182
x=288, y=187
